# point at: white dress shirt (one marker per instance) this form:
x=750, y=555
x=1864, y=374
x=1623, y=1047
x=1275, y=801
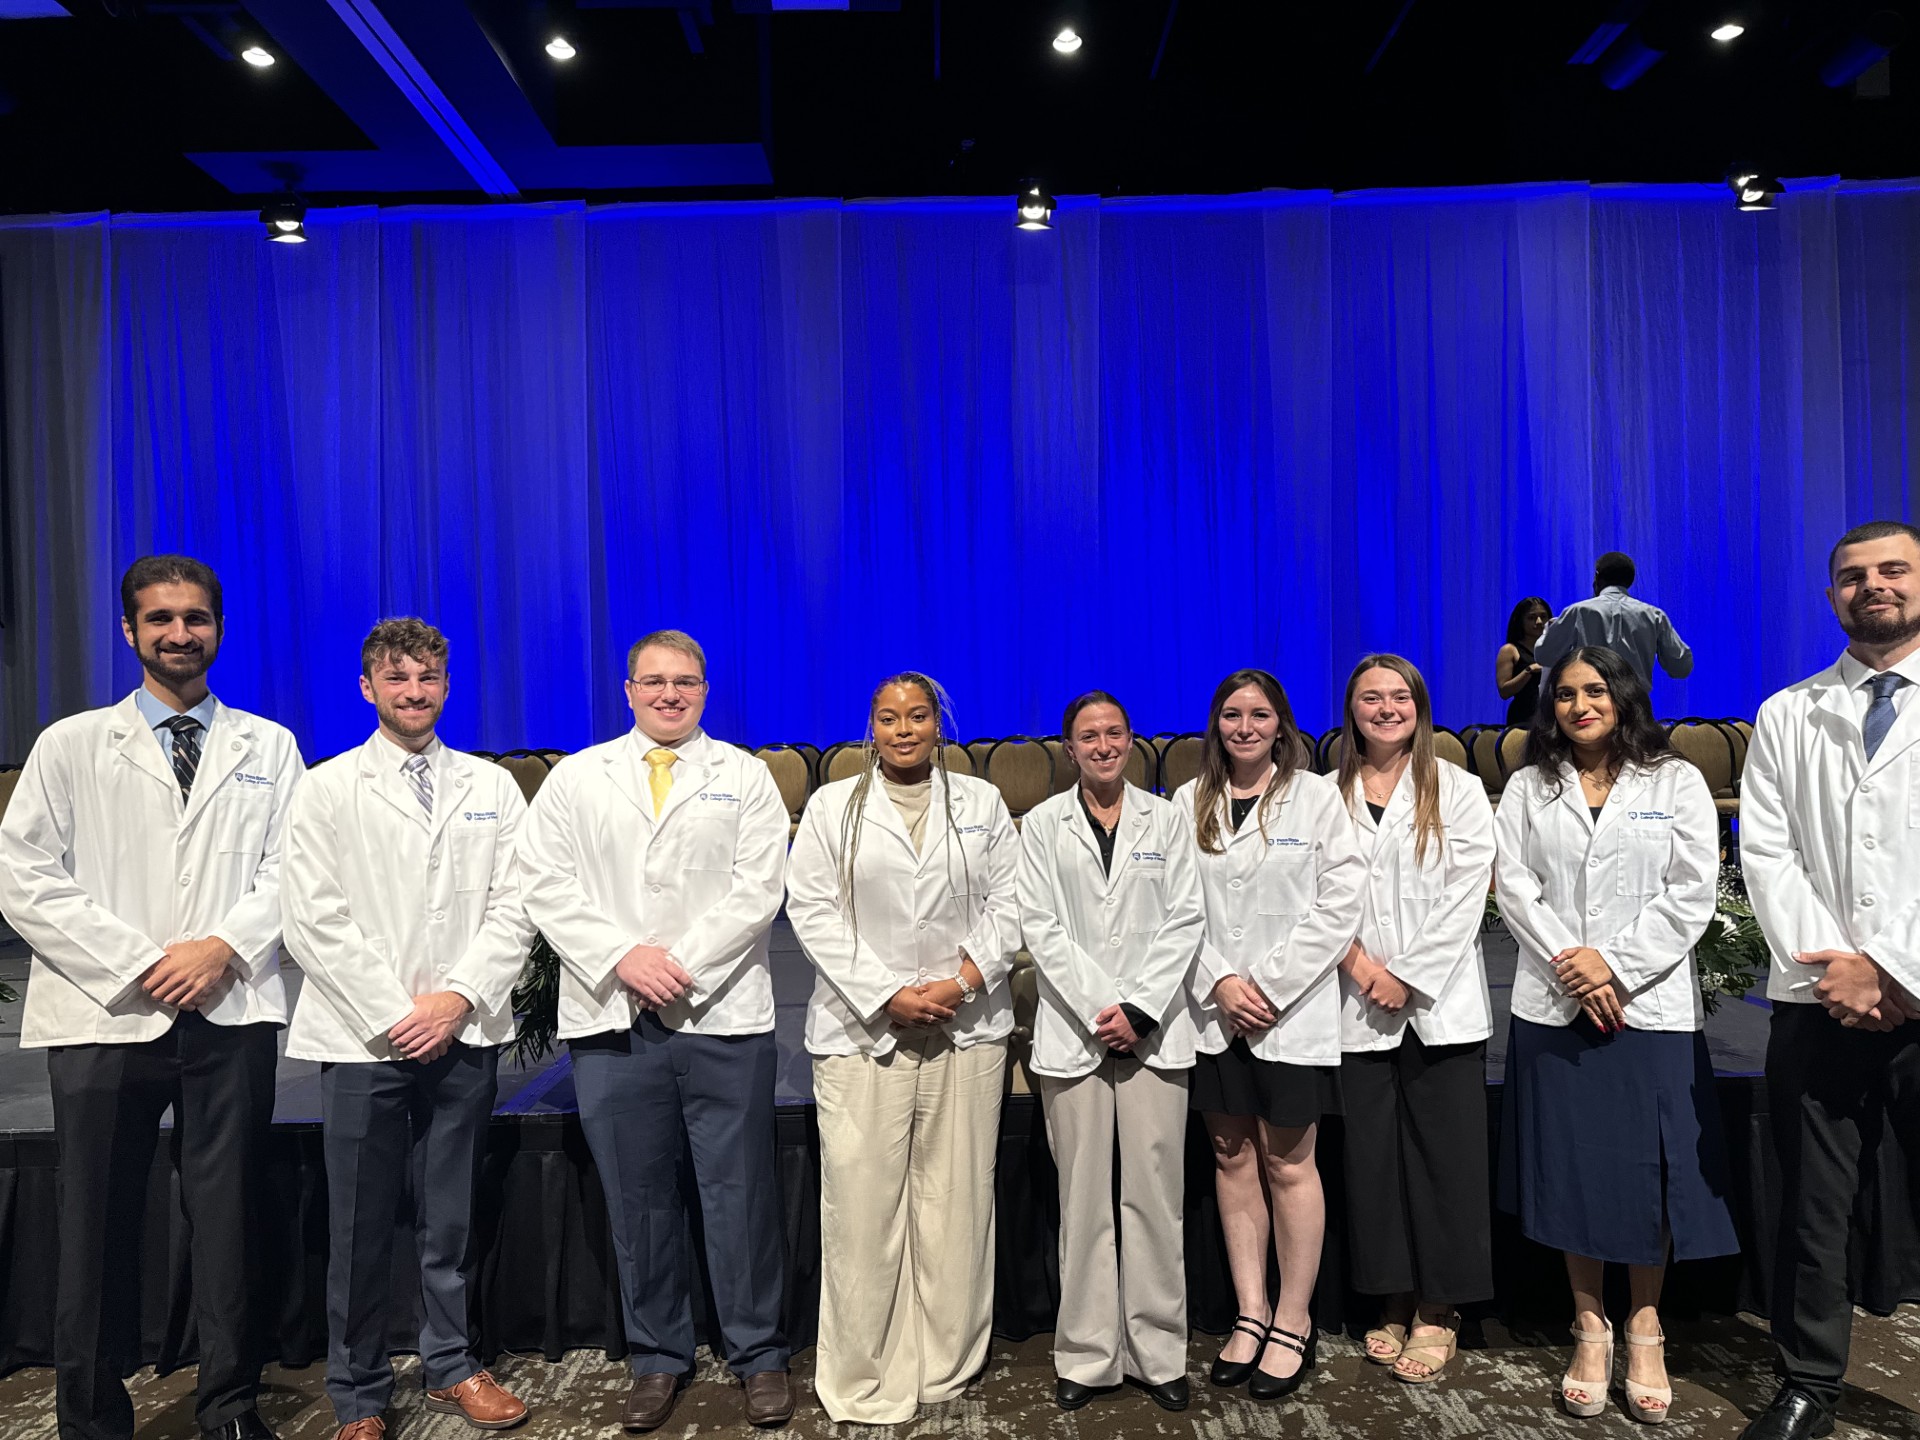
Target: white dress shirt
x=1637, y=632
x=1422, y=920
x=703, y=880
x=914, y=911
x=384, y=902
x=1282, y=904
x=1639, y=885
x=102, y=865
x=1830, y=840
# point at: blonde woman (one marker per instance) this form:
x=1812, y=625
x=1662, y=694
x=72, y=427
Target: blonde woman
x=1414, y=1024
x=1110, y=907
x=1281, y=878
x=901, y=890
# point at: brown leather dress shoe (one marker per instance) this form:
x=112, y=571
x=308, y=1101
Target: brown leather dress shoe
x=769, y=1398
x=650, y=1402
x=482, y=1399
x=372, y=1428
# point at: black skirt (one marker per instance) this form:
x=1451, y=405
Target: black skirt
x=1287, y=1096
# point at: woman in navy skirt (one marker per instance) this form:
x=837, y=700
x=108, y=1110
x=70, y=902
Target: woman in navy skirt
x=1610, y=1145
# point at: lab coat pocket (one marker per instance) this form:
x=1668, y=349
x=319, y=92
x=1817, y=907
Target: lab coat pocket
x=1284, y=885
x=1643, y=859
x=1144, y=895
x=239, y=819
x=472, y=855
x=707, y=843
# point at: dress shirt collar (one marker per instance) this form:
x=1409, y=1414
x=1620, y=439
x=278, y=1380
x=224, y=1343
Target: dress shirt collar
x=1854, y=672
x=156, y=712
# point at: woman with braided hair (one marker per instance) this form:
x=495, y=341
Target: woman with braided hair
x=901, y=890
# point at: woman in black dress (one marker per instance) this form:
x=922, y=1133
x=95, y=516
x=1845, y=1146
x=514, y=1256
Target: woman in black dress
x=1514, y=672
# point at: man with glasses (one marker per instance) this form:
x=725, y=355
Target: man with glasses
x=655, y=864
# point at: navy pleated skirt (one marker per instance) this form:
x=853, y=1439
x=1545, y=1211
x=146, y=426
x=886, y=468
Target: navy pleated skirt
x=1609, y=1145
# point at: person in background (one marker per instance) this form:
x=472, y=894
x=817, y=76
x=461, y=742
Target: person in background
x=1830, y=843
x=1281, y=878
x=1415, y=1017
x=140, y=860
x=1111, y=910
x=901, y=891
x=1632, y=629
x=1607, y=869
x=654, y=864
x=403, y=909
x=1516, y=673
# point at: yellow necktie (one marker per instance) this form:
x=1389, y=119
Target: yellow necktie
x=660, y=776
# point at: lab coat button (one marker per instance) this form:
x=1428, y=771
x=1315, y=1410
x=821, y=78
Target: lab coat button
x=236, y=744
x=1113, y=940
x=1233, y=884
x=1866, y=788
x=186, y=880
x=1237, y=934
x=923, y=924
x=656, y=889
x=1110, y=899
x=1593, y=864
x=1593, y=910
x=651, y=940
x=1867, y=900
x=439, y=914
x=1868, y=842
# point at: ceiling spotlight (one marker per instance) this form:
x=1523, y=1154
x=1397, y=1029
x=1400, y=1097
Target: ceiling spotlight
x=559, y=49
x=257, y=56
x=286, y=221
x=1755, y=191
x=1732, y=30
x=1068, y=40
x=1036, y=209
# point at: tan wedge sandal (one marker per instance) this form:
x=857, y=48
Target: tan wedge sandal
x=1647, y=1403
x=1587, y=1398
x=1435, y=1352
x=1391, y=1336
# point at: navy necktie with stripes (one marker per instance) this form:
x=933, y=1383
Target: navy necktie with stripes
x=186, y=750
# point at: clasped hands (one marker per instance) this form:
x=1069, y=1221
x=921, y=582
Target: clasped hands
x=1245, y=1004
x=427, y=1031
x=1585, y=975
x=1858, y=993
x=933, y=1002
x=190, y=974
x=654, y=977
x=1376, y=984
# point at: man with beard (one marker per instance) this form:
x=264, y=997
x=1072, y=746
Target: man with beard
x=404, y=912
x=1830, y=842
x=140, y=859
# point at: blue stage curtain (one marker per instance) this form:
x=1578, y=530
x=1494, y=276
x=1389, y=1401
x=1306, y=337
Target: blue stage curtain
x=1166, y=439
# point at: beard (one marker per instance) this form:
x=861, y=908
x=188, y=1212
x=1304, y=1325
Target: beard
x=175, y=667
x=409, y=722
x=1889, y=629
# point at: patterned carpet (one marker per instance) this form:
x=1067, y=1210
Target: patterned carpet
x=1502, y=1387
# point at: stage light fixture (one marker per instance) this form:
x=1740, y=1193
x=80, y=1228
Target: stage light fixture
x=257, y=56
x=286, y=221
x=559, y=49
x=1068, y=40
x=1732, y=30
x=1036, y=208
x=1754, y=191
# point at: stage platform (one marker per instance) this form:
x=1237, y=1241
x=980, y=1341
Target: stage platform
x=1736, y=1037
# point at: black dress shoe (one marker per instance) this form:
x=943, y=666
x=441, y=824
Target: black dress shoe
x=1794, y=1415
x=1071, y=1394
x=1266, y=1386
x=242, y=1427
x=1228, y=1373
x=1168, y=1394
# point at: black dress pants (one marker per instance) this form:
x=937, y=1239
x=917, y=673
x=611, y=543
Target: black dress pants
x=1418, y=1213
x=1834, y=1094
x=107, y=1105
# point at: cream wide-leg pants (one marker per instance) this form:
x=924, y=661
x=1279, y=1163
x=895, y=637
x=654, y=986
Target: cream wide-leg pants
x=1123, y=1306
x=907, y=1144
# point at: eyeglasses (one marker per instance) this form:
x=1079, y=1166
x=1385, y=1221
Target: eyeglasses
x=655, y=684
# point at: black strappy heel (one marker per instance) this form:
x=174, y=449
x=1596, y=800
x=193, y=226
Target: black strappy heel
x=1277, y=1387
x=1226, y=1373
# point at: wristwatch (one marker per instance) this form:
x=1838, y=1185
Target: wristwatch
x=967, y=992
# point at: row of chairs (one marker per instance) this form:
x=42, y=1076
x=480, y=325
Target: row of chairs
x=1028, y=769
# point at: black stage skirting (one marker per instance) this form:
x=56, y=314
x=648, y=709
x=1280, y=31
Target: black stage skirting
x=546, y=1267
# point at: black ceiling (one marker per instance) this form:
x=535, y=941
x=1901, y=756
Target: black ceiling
x=140, y=105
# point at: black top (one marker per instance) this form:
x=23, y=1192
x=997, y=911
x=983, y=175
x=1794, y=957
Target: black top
x=1238, y=810
x=1526, y=700
x=1379, y=812
x=1100, y=832
x=1596, y=809
x=1143, y=1024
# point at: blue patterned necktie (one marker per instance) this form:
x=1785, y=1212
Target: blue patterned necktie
x=420, y=779
x=186, y=750
x=1880, y=714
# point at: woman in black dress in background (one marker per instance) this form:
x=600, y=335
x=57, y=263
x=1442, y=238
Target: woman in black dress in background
x=1514, y=672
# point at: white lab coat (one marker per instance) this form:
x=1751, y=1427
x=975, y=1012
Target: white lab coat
x=601, y=875
x=1639, y=886
x=1830, y=842
x=102, y=866
x=915, y=912
x=1099, y=939
x=1281, y=911
x=382, y=904
x=1422, y=921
